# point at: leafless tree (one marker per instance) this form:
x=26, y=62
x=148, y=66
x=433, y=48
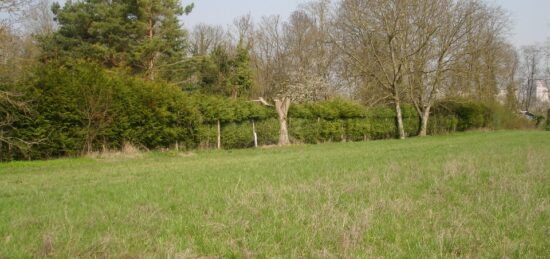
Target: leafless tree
x=373, y=35
x=531, y=59
x=440, y=32
x=415, y=50
x=204, y=38
x=242, y=29
x=39, y=19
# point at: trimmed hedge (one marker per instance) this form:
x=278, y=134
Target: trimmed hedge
x=339, y=120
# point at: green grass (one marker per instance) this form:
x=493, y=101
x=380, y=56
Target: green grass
x=465, y=195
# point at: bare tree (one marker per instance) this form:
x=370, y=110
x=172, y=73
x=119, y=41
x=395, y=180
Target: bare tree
x=39, y=19
x=440, y=32
x=204, y=38
x=11, y=6
x=412, y=50
x=242, y=29
x=374, y=37
x=531, y=57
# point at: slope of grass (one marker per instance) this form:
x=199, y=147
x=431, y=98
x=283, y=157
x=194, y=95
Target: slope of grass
x=464, y=195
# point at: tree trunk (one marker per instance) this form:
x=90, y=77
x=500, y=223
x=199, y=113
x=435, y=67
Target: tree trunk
x=219, y=135
x=151, y=61
x=282, y=105
x=424, y=117
x=399, y=117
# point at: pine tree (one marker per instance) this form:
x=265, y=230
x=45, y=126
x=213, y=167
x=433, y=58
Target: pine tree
x=139, y=34
x=96, y=30
x=164, y=40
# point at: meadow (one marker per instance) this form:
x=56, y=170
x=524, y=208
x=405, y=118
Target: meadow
x=472, y=195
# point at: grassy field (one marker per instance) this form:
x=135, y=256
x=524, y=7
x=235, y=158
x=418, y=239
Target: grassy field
x=465, y=195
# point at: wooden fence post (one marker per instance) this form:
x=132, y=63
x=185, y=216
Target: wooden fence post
x=219, y=135
x=255, y=134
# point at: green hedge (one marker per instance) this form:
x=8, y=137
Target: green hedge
x=338, y=120
x=81, y=107
x=468, y=115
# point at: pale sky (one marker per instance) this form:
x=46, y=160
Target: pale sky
x=531, y=18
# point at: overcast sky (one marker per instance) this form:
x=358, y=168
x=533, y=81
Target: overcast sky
x=531, y=18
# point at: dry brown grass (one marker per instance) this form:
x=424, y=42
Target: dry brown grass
x=128, y=151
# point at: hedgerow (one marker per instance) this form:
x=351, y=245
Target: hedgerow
x=80, y=107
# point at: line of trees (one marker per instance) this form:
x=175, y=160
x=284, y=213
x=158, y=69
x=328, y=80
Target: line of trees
x=375, y=52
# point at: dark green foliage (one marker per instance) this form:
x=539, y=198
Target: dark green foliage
x=155, y=115
x=241, y=77
x=14, y=111
x=141, y=35
x=82, y=107
x=72, y=107
x=220, y=73
x=548, y=120
x=97, y=30
x=470, y=115
x=214, y=108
